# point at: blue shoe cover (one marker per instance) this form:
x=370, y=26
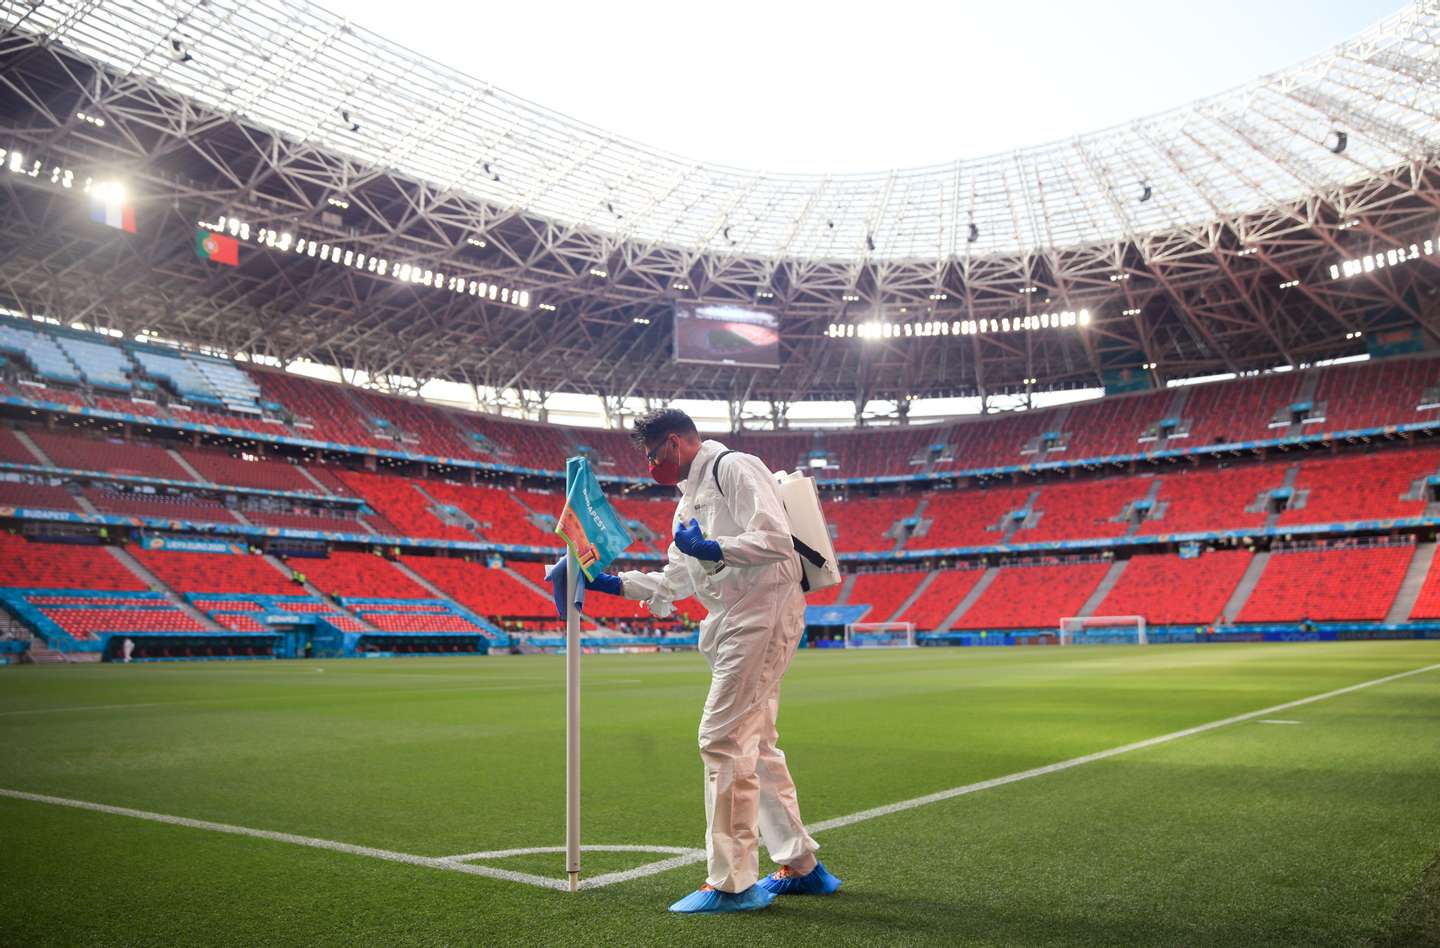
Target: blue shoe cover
x=818, y=881
x=713, y=901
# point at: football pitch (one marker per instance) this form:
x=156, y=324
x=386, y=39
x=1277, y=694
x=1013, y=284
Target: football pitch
x=345, y=802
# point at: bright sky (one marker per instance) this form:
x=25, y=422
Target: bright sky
x=846, y=86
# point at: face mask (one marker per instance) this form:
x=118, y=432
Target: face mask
x=667, y=471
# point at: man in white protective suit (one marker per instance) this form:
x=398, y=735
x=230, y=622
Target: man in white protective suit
x=733, y=551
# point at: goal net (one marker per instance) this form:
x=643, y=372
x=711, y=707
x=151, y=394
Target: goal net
x=880, y=635
x=1103, y=630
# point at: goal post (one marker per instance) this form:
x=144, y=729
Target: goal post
x=1103, y=630
x=880, y=635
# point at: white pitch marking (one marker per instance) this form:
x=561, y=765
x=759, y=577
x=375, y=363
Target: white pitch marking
x=1099, y=755
x=689, y=857
x=587, y=848
x=1274, y=721
x=330, y=844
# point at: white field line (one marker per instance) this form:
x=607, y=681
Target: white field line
x=333, y=846
x=686, y=857
x=588, y=847
x=1273, y=721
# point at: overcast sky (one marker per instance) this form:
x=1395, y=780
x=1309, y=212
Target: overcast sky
x=842, y=86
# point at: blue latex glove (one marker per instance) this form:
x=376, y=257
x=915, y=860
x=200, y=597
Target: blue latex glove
x=558, y=575
x=692, y=542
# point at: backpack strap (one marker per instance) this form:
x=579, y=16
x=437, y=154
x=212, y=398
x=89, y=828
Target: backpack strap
x=715, y=469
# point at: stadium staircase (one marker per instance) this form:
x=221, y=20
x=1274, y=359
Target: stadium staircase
x=32, y=447
x=1413, y=583
x=138, y=570
x=847, y=586
x=971, y=597
x=1112, y=576
x=311, y=590
x=186, y=465
x=911, y=599
x=1150, y=499
x=1236, y=603
x=526, y=581
x=1013, y=525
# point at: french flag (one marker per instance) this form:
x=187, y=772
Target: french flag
x=114, y=214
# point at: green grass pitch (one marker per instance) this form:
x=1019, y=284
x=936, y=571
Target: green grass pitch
x=1314, y=833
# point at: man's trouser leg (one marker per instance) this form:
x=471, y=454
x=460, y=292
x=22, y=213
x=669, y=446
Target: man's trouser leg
x=745, y=673
x=779, y=811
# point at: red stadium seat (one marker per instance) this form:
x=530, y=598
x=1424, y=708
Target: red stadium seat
x=1328, y=585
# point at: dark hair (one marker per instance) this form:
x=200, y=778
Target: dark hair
x=660, y=423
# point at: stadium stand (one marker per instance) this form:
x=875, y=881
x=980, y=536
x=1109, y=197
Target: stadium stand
x=402, y=505
x=941, y=597
x=885, y=592
x=12, y=451
x=102, y=365
x=111, y=455
x=1361, y=487
x=165, y=506
x=1239, y=410
x=861, y=524
x=1084, y=509
x=493, y=593
x=499, y=515
x=301, y=518
x=1213, y=499
x=970, y=517
x=40, y=350
x=359, y=575
x=216, y=573
x=654, y=516
x=1033, y=597
x=1170, y=590
x=32, y=565
x=1328, y=585
x=248, y=471
x=1112, y=426
x=1373, y=394
x=88, y=622
x=1427, y=603
x=48, y=496
x=321, y=411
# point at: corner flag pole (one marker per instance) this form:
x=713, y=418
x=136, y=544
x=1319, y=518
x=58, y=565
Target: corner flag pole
x=572, y=722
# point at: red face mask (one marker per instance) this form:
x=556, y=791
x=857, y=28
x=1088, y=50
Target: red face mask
x=665, y=471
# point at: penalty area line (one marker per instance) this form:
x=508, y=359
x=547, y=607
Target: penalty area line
x=682, y=857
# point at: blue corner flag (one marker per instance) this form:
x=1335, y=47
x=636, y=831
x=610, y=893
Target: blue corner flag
x=590, y=526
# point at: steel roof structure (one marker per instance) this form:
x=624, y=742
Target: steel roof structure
x=1200, y=240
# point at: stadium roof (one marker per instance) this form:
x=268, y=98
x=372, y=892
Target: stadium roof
x=301, y=71
x=286, y=118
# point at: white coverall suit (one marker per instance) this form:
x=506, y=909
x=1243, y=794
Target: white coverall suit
x=756, y=617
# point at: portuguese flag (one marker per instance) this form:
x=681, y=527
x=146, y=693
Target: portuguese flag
x=217, y=248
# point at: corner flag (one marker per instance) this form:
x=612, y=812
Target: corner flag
x=592, y=530
x=595, y=536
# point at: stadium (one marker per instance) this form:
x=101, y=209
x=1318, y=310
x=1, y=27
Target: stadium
x=1126, y=445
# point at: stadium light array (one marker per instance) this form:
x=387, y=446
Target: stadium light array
x=883, y=329
x=1394, y=257
x=1288, y=284
x=1133, y=311
x=413, y=273
x=95, y=120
